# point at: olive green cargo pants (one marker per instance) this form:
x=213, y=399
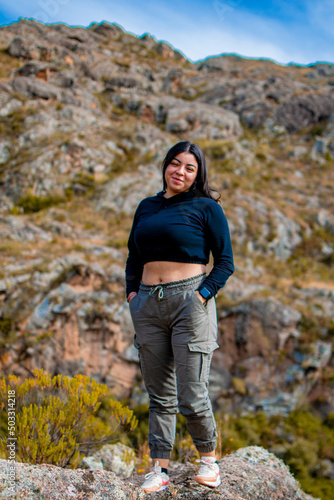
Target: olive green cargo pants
x=176, y=334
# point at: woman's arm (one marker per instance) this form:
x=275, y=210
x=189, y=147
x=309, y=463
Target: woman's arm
x=134, y=265
x=218, y=234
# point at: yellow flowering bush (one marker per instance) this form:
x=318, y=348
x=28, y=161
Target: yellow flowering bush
x=59, y=419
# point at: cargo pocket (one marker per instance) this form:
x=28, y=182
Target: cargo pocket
x=199, y=360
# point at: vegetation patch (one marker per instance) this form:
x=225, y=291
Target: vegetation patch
x=31, y=203
x=59, y=419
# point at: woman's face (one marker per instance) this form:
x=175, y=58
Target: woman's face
x=180, y=174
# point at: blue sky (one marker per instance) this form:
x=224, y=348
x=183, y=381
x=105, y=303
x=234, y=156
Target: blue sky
x=299, y=31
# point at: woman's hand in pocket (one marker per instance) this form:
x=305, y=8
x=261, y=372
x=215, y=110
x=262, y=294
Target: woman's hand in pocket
x=201, y=298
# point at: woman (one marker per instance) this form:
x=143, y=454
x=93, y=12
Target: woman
x=173, y=307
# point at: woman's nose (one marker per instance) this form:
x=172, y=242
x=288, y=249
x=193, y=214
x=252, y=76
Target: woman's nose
x=180, y=169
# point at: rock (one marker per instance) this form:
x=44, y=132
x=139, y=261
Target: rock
x=34, y=88
x=114, y=195
x=89, y=332
x=10, y=107
x=329, y=130
x=320, y=148
x=37, y=68
x=325, y=219
x=164, y=50
x=16, y=229
x=173, y=81
x=92, y=463
x=107, y=29
x=121, y=82
x=251, y=473
x=238, y=290
x=17, y=48
x=253, y=334
x=298, y=152
x=288, y=235
x=200, y=121
x=319, y=356
x=254, y=115
x=117, y=458
x=102, y=69
x=303, y=111
x=4, y=150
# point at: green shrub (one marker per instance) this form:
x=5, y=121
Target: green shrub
x=302, y=457
x=31, y=203
x=58, y=419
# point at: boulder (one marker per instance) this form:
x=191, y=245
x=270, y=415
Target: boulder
x=18, y=48
x=106, y=29
x=254, y=115
x=117, y=458
x=121, y=82
x=36, y=68
x=305, y=110
x=33, y=87
x=200, y=121
x=173, y=81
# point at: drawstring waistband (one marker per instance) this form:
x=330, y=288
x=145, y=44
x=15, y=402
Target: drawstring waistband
x=155, y=289
x=170, y=286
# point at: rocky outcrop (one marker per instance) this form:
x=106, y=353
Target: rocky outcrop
x=249, y=364
x=304, y=111
x=91, y=334
x=248, y=474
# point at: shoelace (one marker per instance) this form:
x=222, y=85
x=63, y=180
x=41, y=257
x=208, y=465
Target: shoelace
x=156, y=470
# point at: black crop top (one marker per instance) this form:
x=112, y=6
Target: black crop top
x=182, y=228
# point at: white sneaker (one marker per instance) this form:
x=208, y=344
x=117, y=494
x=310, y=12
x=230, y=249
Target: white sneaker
x=156, y=480
x=208, y=473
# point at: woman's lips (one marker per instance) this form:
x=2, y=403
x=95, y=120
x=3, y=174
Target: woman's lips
x=176, y=180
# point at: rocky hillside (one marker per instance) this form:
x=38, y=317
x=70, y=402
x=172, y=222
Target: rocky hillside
x=86, y=117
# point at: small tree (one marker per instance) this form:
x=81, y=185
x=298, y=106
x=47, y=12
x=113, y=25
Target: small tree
x=58, y=419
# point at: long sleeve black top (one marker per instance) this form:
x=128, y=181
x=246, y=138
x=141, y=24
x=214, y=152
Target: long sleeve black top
x=182, y=228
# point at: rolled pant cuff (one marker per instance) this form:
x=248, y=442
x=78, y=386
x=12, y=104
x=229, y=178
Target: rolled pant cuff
x=160, y=454
x=207, y=448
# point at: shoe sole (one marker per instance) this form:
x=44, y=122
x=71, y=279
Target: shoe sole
x=155, y=491
x=210, y=484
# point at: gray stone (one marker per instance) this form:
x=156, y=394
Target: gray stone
x=11, y=106
x=17, y=48
x=92, y=463
x=117, y=458
x=35, y=88
x=298, y=152
x=305, y=110
x=121, y=82
x=325, y=219
x=288, y=235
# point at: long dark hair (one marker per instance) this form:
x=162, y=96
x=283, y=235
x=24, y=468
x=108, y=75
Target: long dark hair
x=202, y=181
